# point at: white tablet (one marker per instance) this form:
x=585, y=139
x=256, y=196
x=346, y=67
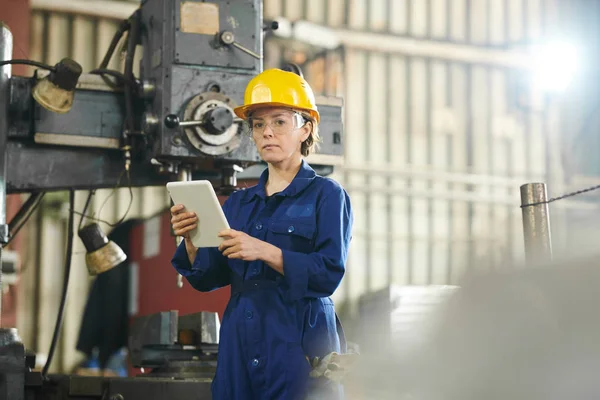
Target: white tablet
x=200, y=197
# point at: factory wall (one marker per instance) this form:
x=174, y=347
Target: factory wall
x=436, y=146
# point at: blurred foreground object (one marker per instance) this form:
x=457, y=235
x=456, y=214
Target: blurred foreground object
x=400, y=315
x=528, y=333
x=333, y=366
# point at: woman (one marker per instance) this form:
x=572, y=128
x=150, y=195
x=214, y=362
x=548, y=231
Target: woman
x=284, y=255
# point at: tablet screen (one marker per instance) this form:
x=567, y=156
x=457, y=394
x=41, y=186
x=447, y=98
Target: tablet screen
x=200, y=197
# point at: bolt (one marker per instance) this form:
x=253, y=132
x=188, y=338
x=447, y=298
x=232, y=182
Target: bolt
x=227, y=37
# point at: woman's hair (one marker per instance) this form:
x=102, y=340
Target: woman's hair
x=312, y=142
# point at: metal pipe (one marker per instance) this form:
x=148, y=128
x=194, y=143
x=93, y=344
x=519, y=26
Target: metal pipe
x=467, y=197
x=90, y=8
x=6, y=48
x=184, y=174
x=322, y=36
x=536, y=222
x=428, y=173
x=456, y=195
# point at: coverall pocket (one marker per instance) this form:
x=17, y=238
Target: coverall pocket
x=297, y=365
x=290, y=235
x=297, y=371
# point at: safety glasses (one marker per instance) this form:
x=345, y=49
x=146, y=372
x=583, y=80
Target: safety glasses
x=280, y=123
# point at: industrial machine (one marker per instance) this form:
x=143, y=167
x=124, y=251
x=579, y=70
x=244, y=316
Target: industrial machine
x=63, y=129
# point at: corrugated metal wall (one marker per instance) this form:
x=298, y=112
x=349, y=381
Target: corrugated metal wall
x=435, y=149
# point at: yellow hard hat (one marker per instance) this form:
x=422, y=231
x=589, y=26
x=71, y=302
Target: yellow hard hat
x=275, y=87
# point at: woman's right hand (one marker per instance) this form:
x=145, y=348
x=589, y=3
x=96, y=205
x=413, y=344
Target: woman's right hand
x=183, y=222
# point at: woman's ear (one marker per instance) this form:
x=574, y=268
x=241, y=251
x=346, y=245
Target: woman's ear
x=306, y=131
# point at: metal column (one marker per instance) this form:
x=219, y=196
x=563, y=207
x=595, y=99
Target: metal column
x=536, y=222
x=12, y=351
x=6, y=46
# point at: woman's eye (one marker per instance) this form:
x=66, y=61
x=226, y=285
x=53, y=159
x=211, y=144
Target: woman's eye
x=257, y=125
x=280, y=122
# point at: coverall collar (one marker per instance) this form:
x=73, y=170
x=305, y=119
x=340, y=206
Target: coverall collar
x=302, y=179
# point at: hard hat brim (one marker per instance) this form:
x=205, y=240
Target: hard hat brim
x=243, y=111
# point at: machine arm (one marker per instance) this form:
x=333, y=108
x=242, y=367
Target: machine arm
x=81, y=149
x=43, y=147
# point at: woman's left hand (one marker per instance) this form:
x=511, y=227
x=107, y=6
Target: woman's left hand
x=241, y=245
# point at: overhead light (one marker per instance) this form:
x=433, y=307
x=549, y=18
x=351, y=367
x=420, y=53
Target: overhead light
x=55, y=92
x=555, y=65
x=101, y=254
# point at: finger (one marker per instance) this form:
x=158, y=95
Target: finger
x=230, y=242
x=185, y=216
x=225, y=232
x=185, y=222
x=186, y=230
x=176, y=208
x=227, y=243
x=182, y=215
x=237, y=255
x=183, y=231
x=229, y=232
x=231, y=250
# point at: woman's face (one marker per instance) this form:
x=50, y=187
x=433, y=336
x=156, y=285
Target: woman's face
x=278, y=133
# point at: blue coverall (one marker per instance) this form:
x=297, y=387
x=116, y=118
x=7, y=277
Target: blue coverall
x=273, y=322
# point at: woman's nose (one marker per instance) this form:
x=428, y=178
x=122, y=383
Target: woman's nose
x=268, y=131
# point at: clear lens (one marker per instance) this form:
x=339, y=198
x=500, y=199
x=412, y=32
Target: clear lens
x=280, y=124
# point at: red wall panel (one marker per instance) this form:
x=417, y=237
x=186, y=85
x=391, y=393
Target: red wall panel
x=16, y=14
x=157, y=289
x=157, y=280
